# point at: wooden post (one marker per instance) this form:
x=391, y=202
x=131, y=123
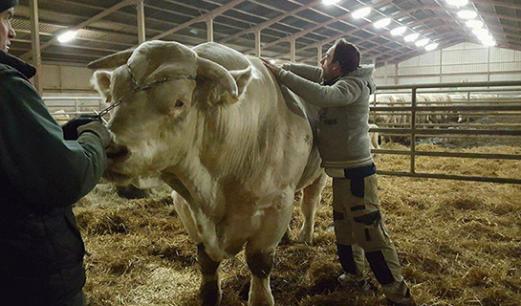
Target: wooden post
x=141, y=30
x=319, y=55
x=292, y=50
x=258, y=43
x=35, y=38
x=209, y=29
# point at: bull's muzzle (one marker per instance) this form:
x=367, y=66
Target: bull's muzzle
x=118, y=153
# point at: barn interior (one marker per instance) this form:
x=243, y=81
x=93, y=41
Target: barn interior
x=447, y=115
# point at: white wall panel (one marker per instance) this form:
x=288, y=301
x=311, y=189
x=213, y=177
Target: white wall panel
x=464, y=78
x=506, y=77
x=419, y=70
x=465, y=62
x=469, y=56
x=50, y=77
x=510, y=66
x=431, y=58
x=472, y=68
x=63, y=78
x=418, y=80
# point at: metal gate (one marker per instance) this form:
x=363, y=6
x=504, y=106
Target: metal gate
x=499, y=100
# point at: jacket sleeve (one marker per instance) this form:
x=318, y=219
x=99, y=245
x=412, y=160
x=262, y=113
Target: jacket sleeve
x=43, y=167
x=342, y=93
x=308, y=72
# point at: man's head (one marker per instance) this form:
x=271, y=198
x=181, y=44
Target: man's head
x=340, y=59
x=6, y=29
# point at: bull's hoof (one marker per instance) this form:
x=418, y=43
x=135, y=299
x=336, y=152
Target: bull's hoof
x=210, y=294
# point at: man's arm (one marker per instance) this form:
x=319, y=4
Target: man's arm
x=42, y=166
x=339, y=94
x=308, y=72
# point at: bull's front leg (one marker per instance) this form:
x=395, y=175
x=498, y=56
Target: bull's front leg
x=210, y=291
x=260, y=265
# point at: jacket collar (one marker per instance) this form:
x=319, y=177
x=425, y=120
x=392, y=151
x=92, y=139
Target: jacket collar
x=26, y=69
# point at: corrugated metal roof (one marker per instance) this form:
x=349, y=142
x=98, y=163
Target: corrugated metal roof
x=309, y=22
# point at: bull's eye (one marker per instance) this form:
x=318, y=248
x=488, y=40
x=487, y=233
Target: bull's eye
x=179, y=103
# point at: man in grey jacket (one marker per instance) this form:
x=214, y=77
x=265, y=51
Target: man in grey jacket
x=341, y=88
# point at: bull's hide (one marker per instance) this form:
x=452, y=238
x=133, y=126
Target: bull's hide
x=215, y=126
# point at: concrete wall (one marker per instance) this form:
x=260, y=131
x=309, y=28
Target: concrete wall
x=465, y=62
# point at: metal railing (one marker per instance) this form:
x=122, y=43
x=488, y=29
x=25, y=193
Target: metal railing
x=73, y=105
x=413, y=129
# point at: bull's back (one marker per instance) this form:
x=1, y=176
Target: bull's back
x=224, y=56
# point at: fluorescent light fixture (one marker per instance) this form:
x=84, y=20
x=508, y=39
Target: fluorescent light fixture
x=411, y=37
x=422, y=42
x=361, y=13
x=457, y=3
x=481, y=33
x=67, y=36
x=467, y=14
x=398, y=31
x=329, y=2
x=382, y=23
x=431, y=47
x=474, y=24
x=488, y=38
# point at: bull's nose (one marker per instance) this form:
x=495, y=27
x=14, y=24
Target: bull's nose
x=118, y=152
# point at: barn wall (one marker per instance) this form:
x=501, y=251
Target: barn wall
x=465, y=62
x=63, y=79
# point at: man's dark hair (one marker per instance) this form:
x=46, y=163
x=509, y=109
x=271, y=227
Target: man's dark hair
x=347, y=55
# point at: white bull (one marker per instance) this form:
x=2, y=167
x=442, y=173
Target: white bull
x=215, y=126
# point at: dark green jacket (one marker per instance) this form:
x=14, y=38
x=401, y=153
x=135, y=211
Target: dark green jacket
x=41, y=176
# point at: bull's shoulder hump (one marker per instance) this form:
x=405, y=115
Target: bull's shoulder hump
x=223, y=55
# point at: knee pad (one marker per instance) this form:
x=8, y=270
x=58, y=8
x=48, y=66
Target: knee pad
x=369, y=231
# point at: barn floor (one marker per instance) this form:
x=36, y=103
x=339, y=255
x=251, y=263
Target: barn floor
x=459, y=243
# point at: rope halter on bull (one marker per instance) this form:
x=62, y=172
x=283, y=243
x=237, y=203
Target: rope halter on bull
x=136, y=87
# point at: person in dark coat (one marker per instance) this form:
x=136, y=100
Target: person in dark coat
x=41, y=176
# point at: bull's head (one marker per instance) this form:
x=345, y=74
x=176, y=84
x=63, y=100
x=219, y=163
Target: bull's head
x=159, y=88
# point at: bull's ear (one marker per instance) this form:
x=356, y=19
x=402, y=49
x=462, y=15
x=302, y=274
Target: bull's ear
x=101, y=82
x=216, y=73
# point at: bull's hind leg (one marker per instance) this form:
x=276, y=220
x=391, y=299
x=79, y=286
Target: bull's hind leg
x=310, y=202
x=210, y=290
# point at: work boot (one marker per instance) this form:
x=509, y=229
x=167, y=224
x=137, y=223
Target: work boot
x=398, y=294
x=355, y=281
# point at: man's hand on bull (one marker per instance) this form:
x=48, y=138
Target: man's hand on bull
x=274, y=68
x=87, y=123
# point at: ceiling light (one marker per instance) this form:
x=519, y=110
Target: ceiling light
x=398, y=31
x=481, y=32
x=361, y=13
x=467, y=14
x=474, y=24
x=431, y=47
x=422, y=42
x=457, y=3
x=382, y=23
x=67, y=36
x=329, y=2
x=411, y=37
